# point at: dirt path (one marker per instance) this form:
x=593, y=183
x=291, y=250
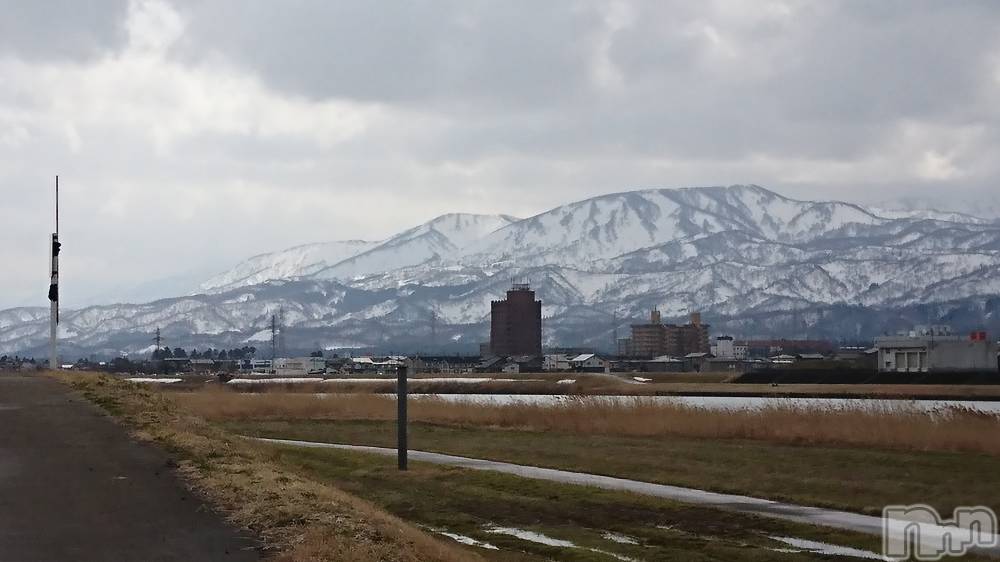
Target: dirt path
x=73, y=486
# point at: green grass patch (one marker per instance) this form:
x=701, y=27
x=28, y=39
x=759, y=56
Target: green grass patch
x=469, y=502
x=855, y=479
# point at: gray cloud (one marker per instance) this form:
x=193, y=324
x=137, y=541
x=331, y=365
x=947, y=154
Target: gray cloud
x=75, y=29
x=192, y=134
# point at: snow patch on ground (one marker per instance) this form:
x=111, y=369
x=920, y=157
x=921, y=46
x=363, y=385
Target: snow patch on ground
x=469, y=541
x=619, y=538
x=530, y=536
x=817, y=547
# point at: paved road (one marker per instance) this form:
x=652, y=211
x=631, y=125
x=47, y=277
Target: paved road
x=74, y=487
x=744, y=504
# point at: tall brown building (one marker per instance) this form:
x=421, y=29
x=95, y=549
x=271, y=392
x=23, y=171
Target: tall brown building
x=655, y=338
x=516, y=323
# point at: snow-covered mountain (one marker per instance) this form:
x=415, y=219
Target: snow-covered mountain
x=286, y=264
x=439, y=239
x=754, y=262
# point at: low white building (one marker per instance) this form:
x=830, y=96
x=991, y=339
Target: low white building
x=932, y=352
x=556, y=362
x=292, y=366
x=589, y=362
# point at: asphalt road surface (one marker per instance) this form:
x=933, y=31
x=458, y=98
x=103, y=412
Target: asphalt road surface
x=74, y=487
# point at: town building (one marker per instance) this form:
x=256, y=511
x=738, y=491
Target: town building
x=697, y=361
x=589, y=363
x=624, y=347
x=762, y=349
x=930, y=351
x=556, y=362
x=521, y=364
x=663, y=364
x=516, y=323
x=724, y=347
x=656, y=338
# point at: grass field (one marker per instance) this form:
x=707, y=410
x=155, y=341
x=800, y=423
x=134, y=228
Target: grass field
x=326, y=504
x=601, y=525
x=839, y=458
x=879, y=426
x=662, y=384
x=856, y=479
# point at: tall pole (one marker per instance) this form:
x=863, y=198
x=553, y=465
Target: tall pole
x=54, y=290
x=401, y=394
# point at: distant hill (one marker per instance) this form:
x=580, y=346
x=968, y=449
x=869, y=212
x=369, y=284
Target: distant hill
x=754, y=262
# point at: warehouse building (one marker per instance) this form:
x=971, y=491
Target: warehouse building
x=933, y=351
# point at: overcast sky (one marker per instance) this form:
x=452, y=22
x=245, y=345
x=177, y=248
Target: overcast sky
x=189, y=135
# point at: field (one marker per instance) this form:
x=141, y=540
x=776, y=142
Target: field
x=659, y=384
x=858, y=461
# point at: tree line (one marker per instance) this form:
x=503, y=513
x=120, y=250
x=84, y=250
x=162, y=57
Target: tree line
x=236, y=354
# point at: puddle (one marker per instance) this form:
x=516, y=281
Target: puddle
x=817, y=547
x=469, y=541
x=619, y=538
x=612, y=554
x=530, y=536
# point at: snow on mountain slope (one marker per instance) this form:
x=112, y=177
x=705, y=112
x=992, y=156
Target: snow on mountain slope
x=286, y=264
x=439, y=239
x=16, y=316
x=606, y=227
x=745, y=256
x=946, y=216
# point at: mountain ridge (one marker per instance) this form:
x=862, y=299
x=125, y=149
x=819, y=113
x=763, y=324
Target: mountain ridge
x=753, y=261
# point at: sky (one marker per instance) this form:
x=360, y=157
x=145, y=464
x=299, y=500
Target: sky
x=190, y=135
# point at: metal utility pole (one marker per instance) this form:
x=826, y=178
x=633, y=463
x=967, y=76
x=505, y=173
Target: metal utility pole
x=401, y=394
x=158, y=341
x=274, y=338
x=54, y=291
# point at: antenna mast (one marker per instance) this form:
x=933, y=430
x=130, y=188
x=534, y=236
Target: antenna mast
x=159, y=343
x=54, y=290
x=274, y=338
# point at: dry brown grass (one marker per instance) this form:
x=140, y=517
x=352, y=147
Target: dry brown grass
x=881, y=425
x=546, y=383
x=298, y=519
x=662, y=384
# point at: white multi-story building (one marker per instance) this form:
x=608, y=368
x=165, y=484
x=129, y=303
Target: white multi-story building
x=724, y=347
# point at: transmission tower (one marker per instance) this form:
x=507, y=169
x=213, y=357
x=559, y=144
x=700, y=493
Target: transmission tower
x=159, y=343
x=274, y=338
